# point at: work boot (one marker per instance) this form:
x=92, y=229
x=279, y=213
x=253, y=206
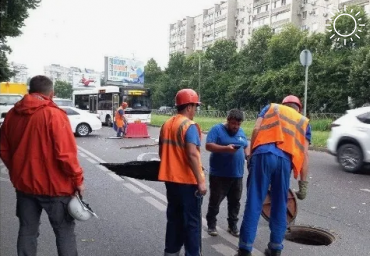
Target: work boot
x=269, y=252
x=233, y=230
x=242, y=252
x=212, y=232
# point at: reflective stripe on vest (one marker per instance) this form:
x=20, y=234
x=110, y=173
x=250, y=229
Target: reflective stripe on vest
x=178, y=141
x=174, y=166
x=286, y=128
x=298, y=126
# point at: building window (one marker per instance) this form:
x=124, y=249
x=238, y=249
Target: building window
x=267, y=8
x=304, y=15
x=283, y=2
x=258, y=9
x=237, y=22
x=274, y=4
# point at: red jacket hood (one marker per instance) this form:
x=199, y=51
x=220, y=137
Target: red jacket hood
x=31, y=103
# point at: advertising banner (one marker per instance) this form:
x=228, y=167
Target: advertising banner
x=85, y=80
x=124, y=70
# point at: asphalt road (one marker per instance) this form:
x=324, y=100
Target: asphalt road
x=132, y=215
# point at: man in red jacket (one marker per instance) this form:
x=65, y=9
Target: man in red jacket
x=38, y=148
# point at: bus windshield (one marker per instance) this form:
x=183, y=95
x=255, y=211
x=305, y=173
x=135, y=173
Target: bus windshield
x=137, y=102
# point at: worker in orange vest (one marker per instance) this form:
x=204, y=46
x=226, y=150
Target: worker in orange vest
x=181, y=170
x=120, y=120
x=280, y=141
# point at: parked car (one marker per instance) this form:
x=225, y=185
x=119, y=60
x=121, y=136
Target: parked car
x=349, y=139
x=82, y=122
x=63, y=102
x=164, y=110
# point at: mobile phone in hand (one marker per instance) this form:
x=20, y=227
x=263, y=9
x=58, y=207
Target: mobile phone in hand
x=236, y=146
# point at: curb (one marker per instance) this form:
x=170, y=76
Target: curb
x=318, y=149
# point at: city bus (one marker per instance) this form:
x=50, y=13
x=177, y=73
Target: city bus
x=105, y=100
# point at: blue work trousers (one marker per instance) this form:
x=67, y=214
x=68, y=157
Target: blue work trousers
x=184, y=220
x=266, y=169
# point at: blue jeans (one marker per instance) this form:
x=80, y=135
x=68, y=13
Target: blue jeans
x=29, y=208
x=184, y=220
x=266, y=169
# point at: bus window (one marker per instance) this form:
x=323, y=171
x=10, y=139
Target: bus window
x=105, y=101
x=137, y=102
x=82, y=102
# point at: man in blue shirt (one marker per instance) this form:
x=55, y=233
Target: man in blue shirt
x=229, y=147
x=280, y=141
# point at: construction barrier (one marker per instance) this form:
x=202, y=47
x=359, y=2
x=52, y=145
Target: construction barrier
x=137, y=130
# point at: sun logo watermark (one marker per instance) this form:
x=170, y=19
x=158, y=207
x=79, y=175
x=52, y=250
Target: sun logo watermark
x=345, y=36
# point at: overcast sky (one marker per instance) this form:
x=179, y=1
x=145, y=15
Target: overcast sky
x=81, y=32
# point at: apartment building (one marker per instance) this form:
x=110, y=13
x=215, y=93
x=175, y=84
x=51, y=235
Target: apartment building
x=21, y=72
x=57, y=72
x=237, y=19
x=197, y=33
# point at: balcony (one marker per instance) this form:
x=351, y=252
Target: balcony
x=281, y=9
x=260, y=2
x=261, y=15
x=351, y=2
x=220, y=18
x=278, y=23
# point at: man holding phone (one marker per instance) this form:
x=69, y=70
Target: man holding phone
x=229, y=148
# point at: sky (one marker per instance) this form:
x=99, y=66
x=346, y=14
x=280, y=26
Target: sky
x=80, y=33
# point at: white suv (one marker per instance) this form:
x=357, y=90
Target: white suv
x=349, y=139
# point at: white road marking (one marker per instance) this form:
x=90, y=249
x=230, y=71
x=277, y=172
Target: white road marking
x=148, y=189
x=82, y=154
x=4, y=179
x=91, y=154
x=155, y=203
x=115, y=176
x=103, y=168
x=133, y=188
x=91, y=160
x=222, y=233
x=141, y=156
x=365, y=189
x=223, y=249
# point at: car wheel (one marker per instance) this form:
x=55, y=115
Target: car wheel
x=108, y=121
x=83, y=130
x=350, y=157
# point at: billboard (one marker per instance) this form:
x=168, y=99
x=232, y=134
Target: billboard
x=124, y=70
x=85, y=80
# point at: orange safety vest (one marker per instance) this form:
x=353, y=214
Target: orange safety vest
x=118, y=118
x=287, y=128
x=174, y=166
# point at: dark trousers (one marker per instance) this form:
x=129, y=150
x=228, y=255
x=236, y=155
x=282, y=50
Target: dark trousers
x=183, y=219
x=28, y=211
x=221, y=187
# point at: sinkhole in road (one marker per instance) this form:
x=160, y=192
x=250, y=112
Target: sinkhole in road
x=309, y=235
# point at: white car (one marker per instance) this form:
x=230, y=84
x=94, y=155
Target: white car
x=82, y=122
x=349, y=139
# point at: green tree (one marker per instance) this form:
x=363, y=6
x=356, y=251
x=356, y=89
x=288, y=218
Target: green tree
x=152, y=72
x=346, y=25
x=12, y=16
x=63, y=90
x=359, y=79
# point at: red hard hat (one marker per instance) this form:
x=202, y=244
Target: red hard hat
x=292, y=99
x=186, y=96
